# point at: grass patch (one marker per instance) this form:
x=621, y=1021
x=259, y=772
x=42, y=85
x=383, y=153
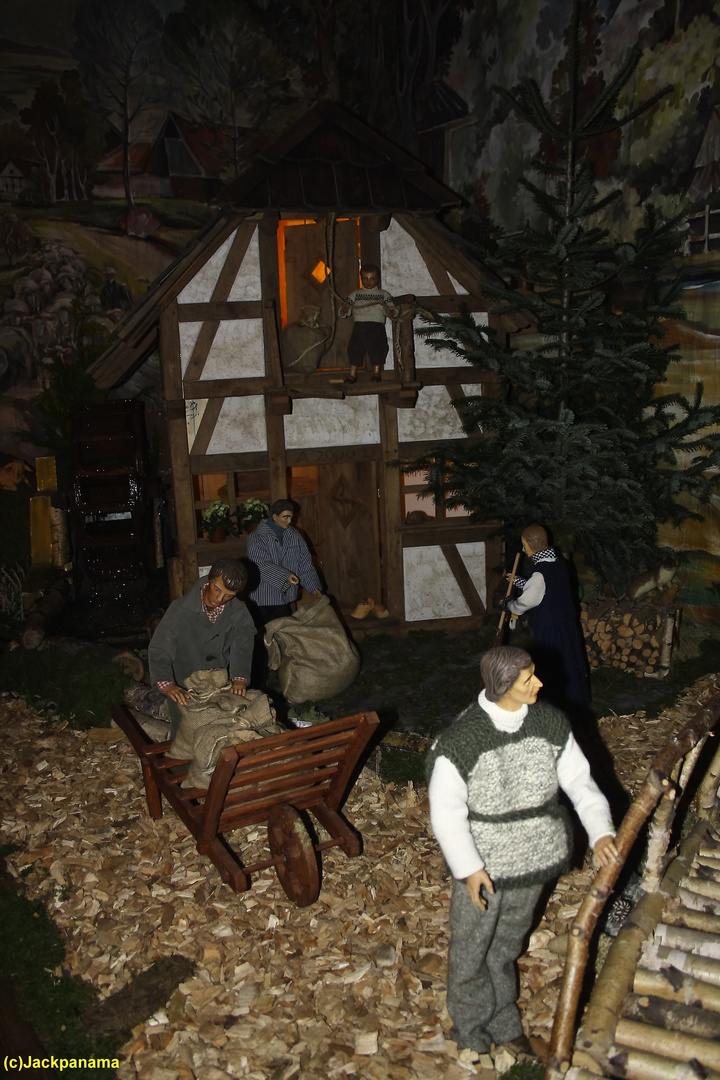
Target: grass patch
x=416, y=683
x=107, y=213
x=525, y=1070
x=30, y=948
x=74, y=687
x=402, y=766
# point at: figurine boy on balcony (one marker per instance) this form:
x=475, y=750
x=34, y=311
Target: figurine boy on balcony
x=369, y=307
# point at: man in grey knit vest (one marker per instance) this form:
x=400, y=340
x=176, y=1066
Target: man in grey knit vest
x=494, y=777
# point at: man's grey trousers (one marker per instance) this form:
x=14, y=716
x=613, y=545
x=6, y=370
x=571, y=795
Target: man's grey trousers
x=482, y=984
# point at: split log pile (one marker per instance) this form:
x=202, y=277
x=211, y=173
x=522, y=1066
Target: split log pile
x=46, y=607
x=655, y=1005
x=636, y=636
x=352, y=986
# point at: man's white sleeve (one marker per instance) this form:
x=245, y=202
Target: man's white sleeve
x=530, y=597
x=449, y=818
x=590, y=804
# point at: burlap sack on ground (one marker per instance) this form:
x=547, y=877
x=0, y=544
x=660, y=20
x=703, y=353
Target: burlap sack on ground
x=214, y=718
x=311, y=652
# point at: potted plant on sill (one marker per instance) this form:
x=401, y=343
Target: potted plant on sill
x=217, y=522
x=251, y=513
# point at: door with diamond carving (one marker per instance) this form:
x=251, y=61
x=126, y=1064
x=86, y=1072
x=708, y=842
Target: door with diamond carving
x=348, y=532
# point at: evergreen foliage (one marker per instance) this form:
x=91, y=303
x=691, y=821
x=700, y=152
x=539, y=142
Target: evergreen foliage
x=577, y=434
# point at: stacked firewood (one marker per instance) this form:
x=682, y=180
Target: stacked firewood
x=634, y=635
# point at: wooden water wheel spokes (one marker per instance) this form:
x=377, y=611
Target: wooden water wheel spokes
x=294, y=855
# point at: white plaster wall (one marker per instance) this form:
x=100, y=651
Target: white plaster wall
x=427, y=357
x=237, y=351
x=431, y=591
x=433, y=416
x=241, y=427
x=459, y=289
x=247, y=284
x=200, y=289
x=403, y=267
x=473, y=555
x=332, y=422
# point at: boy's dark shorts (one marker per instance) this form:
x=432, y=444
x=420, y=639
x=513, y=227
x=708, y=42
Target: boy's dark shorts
x=370, y=338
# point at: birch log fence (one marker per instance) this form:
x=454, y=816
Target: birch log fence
x=654, y=1011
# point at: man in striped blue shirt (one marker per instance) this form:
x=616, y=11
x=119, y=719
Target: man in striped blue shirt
x=284, y=561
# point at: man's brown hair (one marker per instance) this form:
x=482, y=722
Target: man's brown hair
x=535, y=537
x=232, y=572
x=500, y=668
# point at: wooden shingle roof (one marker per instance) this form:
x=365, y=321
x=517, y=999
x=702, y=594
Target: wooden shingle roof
x=330, y=160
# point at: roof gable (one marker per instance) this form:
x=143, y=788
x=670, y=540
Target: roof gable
x=329, y=160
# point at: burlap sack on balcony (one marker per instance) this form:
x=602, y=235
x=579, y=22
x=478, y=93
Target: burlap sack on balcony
x=311, y=652
x=305, y=343
x=214, y=718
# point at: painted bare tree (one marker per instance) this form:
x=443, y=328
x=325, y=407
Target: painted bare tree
x=66, y=134
x=43, y=119
x=409, y=40
x=326, y=23
x=377, y=57
x=230, y=72
x=83, y=133
x=312, y=36
x=118, y=48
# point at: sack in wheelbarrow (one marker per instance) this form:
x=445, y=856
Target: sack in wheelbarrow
x=311, y=652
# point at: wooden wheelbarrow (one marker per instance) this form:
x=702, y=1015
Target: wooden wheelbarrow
x=272, y=779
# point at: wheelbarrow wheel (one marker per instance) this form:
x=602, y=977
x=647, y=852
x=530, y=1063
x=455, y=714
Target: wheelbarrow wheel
x=295, y=857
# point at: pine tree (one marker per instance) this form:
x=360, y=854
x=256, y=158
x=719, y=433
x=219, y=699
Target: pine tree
x=577, y=436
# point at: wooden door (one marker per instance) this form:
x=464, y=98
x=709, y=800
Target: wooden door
x=347, y=533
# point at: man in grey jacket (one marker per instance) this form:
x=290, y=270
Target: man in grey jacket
x=207, y=628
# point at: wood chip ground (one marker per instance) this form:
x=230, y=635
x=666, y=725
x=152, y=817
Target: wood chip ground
x=350, y=987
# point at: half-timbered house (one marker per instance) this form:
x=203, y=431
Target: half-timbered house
x=241, y=418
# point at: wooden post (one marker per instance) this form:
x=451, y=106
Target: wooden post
x=371, y=225
x=406, y=336
x=175, y=578
x=494, y=568
x=391, y=512
x=274, y=423
x=271, y=339
x=171, y=368
x=274, y=377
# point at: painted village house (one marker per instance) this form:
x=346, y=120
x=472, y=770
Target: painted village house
x=15, y=175
x=182, y=161
x=704, y=226
x=244, y=419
